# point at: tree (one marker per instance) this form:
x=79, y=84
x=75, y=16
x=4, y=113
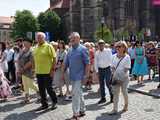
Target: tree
x=24, y=22
x=50, y=22
x=107, y=34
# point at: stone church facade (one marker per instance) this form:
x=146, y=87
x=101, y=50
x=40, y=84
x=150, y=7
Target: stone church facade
x=84, y=16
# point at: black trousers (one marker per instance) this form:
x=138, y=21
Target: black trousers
x=45, y=84
x=105, y=78
x=11, y=71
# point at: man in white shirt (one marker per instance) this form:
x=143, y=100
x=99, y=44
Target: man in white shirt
x=10, y=60
x=103, y=60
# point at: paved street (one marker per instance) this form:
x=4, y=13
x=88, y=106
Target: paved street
x=141, y=107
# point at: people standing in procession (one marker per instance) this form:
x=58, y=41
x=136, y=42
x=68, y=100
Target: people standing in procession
x=140, y=67
x=121, y=65
x=3, y=58
x=61, y=54
x=44, y=61
x=158, y=60
x=5, y=90
x=89, y=81
x=25, y=65
x=10, y=60
x=131, y=52
x=151, y=59
x=103, y=60
x=77, y=60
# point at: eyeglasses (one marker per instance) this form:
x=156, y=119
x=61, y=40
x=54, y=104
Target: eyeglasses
x=118, y=46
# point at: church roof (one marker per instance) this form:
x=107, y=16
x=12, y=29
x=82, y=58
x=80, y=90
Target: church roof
x=6, y=20
x=59, y=4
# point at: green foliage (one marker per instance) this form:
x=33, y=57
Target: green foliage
x=122, y=33
x=24, y=22
x=50, y=22
x=140, y=35
x=107, y=34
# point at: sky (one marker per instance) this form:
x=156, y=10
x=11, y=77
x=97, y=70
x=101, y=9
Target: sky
x=9, y=7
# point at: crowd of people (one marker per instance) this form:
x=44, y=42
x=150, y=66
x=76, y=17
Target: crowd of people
x=40, y=66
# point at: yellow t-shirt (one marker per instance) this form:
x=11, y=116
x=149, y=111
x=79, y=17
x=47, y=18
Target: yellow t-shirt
x=43, y=58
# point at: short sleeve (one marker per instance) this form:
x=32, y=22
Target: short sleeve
x=85, y=54
x=52, y=52
x=127, y=62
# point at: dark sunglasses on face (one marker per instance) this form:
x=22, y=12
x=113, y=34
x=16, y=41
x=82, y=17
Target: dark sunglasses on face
x=118, y=46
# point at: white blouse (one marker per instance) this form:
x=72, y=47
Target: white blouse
x=125, y=63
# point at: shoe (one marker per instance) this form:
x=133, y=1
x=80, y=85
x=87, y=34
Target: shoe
x=113, y=112
x=42, y=108
x=124, y=109
x=153, y=76
x=74, y=118
x=103, y=100
x=158, y=86
x=38, y=100
x=54, y=106
x=82, y=114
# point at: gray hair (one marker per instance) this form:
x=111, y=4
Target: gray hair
x=75, y=34
x=41, y=34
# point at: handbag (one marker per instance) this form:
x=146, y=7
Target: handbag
x=113, y=80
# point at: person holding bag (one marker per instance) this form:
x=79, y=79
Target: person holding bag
x=121, y=64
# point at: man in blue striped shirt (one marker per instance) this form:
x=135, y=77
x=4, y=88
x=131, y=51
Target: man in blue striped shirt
x=77, y=60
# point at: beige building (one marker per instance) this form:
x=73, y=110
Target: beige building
x=5, y=28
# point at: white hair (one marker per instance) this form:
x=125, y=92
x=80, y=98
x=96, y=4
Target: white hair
x=87, y=44
x=75, y=34
x=41, y=34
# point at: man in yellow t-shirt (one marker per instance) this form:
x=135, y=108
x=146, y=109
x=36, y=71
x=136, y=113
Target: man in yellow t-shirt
x=44, y=60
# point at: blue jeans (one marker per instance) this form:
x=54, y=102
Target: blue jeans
x=77, y=97
x=105, y=78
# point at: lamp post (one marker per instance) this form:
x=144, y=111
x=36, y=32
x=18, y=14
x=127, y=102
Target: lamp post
x=102, y=25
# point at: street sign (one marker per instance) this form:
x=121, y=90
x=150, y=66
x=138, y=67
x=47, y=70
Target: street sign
x=47, y=36
x=29, y=35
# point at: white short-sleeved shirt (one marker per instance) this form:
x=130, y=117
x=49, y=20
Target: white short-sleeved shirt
x=125, y=63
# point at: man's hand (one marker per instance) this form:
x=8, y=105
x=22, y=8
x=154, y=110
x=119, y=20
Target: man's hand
x=52, y=73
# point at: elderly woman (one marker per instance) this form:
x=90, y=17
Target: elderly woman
x=121, y=65
x=151, y=59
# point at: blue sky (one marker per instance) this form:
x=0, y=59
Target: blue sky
x=9, y=7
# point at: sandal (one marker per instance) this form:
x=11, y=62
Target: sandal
x=25, y=101
x=75, y=118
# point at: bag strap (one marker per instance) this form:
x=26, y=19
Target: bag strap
x=119, y=63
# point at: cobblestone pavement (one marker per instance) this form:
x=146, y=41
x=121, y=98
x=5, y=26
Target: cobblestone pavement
x=149, y=87
x=141, y=107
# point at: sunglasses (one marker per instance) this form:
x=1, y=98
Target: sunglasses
x=118, y=46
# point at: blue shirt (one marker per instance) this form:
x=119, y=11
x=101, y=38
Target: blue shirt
x=77, y=59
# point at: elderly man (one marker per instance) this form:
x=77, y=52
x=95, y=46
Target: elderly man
x=103, y=60
x=77, y=60
x=44, y=58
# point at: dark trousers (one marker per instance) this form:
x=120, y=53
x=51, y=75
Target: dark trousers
x=105, y=78
x=45, y=83
x=11, y=71
x=159, y=69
